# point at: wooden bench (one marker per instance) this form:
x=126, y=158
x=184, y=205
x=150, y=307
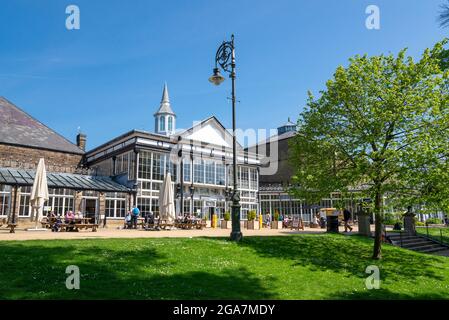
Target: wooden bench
x=80, y=226
x=297, y=224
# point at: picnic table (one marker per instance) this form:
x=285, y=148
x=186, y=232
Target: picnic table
x=75, y=225
x=190, y=223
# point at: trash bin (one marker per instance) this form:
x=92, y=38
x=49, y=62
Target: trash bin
x=331, y=219
x=332, y=224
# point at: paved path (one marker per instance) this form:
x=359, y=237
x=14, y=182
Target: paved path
x=115, y=233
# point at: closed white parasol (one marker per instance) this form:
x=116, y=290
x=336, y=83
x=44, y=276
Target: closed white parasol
x=166, y=200
x=39, y=193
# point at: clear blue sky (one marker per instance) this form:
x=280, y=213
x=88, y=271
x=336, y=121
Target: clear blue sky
x=107, y=77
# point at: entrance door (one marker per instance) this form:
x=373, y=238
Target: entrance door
x=90, y=209
x=209, y=209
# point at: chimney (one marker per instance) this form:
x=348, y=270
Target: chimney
x=81, y=141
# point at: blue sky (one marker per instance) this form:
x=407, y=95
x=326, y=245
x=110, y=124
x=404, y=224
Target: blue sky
x=107, y=77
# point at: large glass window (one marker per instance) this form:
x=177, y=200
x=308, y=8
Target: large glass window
x=220, y=174
x=253, y=178
x=61, y=200
x=5, y=198
x=198, y=171
x=197, y=207
x=144, y=205
x=171, y=167
x=158, y=166
x=243, y=177
x=115, y=205
x=145, y=165
x=187, y=174
x=210, y=172
x=155, y=206
x=24, y=206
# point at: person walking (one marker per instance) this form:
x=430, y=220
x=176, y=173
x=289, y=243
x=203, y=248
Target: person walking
x=347, y=218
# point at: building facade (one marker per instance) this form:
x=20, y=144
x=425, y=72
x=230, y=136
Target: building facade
x=23, y=141
x=199, y=160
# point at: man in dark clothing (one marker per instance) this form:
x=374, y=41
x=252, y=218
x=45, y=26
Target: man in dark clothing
x=347, y=217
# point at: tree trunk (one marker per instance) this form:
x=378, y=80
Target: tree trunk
x=377, y=253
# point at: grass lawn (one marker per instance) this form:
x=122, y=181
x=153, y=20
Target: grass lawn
x=288, y=267
x=435, y=233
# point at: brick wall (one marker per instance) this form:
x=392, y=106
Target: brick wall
x=28, y=158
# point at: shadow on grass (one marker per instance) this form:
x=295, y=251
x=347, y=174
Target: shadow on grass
x=37, y=271
x=349, y=254
x=382, y=294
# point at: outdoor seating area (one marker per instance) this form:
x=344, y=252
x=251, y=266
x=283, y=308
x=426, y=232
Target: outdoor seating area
x=56, y=224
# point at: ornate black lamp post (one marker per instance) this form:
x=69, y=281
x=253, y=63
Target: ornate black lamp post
x=192, y=192
x=225, y=58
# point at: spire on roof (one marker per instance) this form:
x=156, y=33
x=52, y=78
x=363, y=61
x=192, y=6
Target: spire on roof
x=165, y=98
x=165, y=107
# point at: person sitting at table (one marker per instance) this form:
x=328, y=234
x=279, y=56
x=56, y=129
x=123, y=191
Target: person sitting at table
x=285, y=222
x=128, y=220
x=70, y=219
x=80, y=215
x=56, y=227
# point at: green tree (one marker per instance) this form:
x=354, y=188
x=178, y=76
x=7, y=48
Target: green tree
x=380, y=126
x=443, y=16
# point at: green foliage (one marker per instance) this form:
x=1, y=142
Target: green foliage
x=381, y=123
x=227, y=216
x=276, y=216
x=390, y=219
x=251, y=215
x=419, y=224
x=433, y=221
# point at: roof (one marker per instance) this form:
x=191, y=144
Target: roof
x=80, y=182
x=19, y=128
x=211, y=120
x=283, y=136
x=165, y=107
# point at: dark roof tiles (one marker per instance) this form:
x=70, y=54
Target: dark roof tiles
x=19, y=128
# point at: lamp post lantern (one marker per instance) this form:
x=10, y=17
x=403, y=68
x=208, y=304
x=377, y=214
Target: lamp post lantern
x=225, y=58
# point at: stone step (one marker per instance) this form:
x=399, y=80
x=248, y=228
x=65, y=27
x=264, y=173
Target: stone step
x=411, y=240
x=418, y=245
x=403, y=238
x=436, y=249
x=426, y=248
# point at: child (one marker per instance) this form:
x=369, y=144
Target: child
x=57, y=225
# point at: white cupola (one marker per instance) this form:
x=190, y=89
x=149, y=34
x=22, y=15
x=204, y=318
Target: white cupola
x=165, y=118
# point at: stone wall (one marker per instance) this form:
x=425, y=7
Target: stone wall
x=28, y=158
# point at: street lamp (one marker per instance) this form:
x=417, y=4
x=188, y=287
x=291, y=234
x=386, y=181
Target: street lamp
x=225, y=58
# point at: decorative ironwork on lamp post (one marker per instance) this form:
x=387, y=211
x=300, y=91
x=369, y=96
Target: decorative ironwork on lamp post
x=225, y=58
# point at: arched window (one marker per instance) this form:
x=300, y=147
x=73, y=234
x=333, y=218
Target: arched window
x=170, y=123
x=162, y=123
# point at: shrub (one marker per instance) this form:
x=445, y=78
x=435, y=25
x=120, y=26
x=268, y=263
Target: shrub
x=390, y=219
x=419, y=224
x=227, y=216
x=433, y=221
x=251, y=215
